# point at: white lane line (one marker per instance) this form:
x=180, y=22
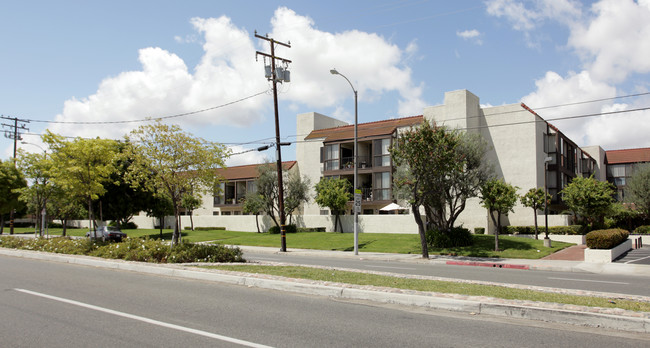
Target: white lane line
x=146, y=320
x=592, y=281
x=406, y=268
x=643, y=258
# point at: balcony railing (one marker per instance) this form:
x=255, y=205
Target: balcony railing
x=370, y=194
x=348, y=162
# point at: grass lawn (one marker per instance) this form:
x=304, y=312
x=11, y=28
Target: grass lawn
x=513, y=247
x=435, y=286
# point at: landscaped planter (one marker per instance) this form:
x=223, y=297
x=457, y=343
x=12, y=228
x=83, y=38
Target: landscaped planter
x=575, y=239
x=607, y=255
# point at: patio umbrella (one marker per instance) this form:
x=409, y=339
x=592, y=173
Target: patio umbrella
x=392, y=206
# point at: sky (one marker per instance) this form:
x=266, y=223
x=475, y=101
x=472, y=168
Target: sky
x=120, y=64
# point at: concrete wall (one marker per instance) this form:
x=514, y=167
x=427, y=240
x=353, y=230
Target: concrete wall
x=597, y=153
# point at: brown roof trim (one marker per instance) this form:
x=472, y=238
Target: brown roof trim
x=627, y=155
x=376, y=128
x=249, y=171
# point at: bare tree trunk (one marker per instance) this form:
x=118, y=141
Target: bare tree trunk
x=497, y=222
x=161, y=221
x=2, y=223
x=535, y=215
x=421, y=231
x=191, y=220
x=257, y=222
x=64, y=223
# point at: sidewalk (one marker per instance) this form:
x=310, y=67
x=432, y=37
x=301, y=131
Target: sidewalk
x=569, y=261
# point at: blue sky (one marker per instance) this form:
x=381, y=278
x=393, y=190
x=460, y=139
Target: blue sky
x=75, y=61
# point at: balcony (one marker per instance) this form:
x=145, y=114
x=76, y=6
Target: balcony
x=362, y=163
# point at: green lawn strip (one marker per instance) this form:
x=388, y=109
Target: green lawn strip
x=439, y=286
x=513, y=247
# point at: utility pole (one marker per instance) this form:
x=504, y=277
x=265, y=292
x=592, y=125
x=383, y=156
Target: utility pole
x=277, y=74
x=15, y=136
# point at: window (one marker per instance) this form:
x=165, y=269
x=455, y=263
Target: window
x=381, y=154
x=331, y=155
x=215, y=212
x=219, y=198
x=382, y=186
x=251, y=186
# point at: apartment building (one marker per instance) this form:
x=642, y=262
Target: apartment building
x=621, y=165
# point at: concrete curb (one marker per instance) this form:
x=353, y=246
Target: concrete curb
x=626, y=321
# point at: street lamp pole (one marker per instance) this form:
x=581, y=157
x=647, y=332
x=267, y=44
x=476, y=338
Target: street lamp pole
x=547, y=241
x=357, y=200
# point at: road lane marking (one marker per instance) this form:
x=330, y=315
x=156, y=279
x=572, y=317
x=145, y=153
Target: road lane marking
x=593, y=281
x=146, y=320
x=643, y=258
x=406, y=268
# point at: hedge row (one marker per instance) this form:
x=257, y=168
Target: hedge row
x=568, y=230
x=287, y=229
x=133, y=249
x=457, y=237
x=206, y=228
x=642, y=230
x=606, y=239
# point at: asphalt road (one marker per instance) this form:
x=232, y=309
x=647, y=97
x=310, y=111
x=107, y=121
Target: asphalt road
x=53, y=304
x=639, y=256
x=622, y=284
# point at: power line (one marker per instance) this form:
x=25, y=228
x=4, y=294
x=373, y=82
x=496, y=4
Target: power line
x=149, y=119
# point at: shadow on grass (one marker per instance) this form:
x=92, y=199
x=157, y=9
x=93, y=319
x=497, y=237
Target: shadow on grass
x=483, y=247
x=165, y=235
x=361, y=246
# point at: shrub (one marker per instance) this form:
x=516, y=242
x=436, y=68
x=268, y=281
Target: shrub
x=642, y=230
x=288, y=229
x=456, y=237
x=127, y=226
x=479, y=230
x=206, y=228
x=606, y=239
x=133, y=249
x=569, y=230
x=311, y=229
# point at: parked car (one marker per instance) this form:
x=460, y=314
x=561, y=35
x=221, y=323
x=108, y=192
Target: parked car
x=107, y=233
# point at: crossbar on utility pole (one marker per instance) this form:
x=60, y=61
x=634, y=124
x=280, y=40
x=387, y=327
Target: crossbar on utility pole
x=275, y=78
x=15, y=136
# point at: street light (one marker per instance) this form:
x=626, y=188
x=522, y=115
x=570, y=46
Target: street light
x=547, y=241
x=44, y=211
x=357, y=199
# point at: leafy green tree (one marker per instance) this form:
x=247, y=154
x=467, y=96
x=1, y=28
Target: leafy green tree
x=296, y=193
x=498, y=197
x=335, y=195
x=534, y=199
x=190, y=203
x=296, y=190
x=121, y=200
x=39, y=170
x=171, y=162
x=254, y=204
x=64, y=207
x=11, y=182
x=638, y=188
x=81, y=167
x=589, y=198
x=437, y=169
x=159, y=206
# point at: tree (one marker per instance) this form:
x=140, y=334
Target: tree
x=11, y=182
x=638, y=188
x=190, y=202
x=81, y=167
x=296, y=193
x=172, y=162
x=254, y=204
x=438, y=170
x=534, y=199
x=64, y=207
x=159, y=206
x=498, y=197
x=589, y=198
x=335, y=195
x=121, y=200
x=39, y=170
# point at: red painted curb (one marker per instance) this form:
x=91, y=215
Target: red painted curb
x=487, y=264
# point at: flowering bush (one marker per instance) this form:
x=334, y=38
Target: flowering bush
x=132, y=249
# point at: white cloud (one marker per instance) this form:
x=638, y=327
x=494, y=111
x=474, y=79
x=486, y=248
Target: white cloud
x=228, y=71
x=253, y=157
x=468, y=34
x=614, y=43
x=371, y=63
